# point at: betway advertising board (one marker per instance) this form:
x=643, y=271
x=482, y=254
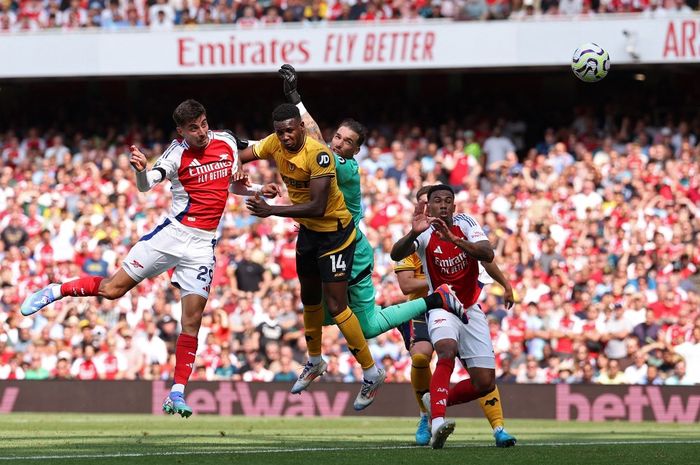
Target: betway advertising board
x=346, y=47
x=557, y=402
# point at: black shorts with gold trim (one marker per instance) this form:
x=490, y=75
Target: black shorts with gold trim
x=326, y=254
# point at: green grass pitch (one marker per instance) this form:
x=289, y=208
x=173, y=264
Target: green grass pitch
x=142, y=439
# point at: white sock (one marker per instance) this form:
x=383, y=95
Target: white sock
x=315, y=359
x=371, y=373
x=178, y=388
x=423, y=414
x=498, y=429
x=56, y=291
x=437, y=423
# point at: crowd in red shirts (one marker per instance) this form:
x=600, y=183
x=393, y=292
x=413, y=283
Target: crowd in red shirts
x=597, y=227
x=32, y=15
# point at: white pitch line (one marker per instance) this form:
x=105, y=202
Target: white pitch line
x=339, y=449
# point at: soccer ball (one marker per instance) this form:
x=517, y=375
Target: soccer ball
x=590, y=62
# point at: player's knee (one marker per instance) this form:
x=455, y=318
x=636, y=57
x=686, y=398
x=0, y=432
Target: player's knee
x=447, y=352
x=483, y=386
x=420, y=360
x=335, y=305
x=110, y=291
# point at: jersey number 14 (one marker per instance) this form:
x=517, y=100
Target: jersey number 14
x=337, y=263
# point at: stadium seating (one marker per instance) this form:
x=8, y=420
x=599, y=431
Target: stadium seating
x=624, y=310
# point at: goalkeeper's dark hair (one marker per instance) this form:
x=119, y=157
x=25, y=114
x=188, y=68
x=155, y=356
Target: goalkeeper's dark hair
x=422, y=191
x=440, y=187
x=284, y=112
x=356, y=127
x=188, y=111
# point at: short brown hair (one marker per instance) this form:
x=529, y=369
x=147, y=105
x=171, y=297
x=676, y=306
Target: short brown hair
x=422, y=191
x=187, y=111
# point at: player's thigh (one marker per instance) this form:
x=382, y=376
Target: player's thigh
x=145, y=261
x=307, y=253
x=195, y=270
x=361, y=300
x=336, y=254
x=443, y=325
x=475, y=347
x=420, y=338
x=311, y=289
x=363, y=259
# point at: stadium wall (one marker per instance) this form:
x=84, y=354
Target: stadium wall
x=558, y=402
x=347, y=47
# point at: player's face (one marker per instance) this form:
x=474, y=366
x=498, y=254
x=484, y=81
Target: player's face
x=195, y=132
x=290, y=133
x=344, y=142
x=442, y=205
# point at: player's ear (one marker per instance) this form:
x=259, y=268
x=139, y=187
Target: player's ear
x=179, y=131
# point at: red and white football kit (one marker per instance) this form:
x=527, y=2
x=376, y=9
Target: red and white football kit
x=186, y=238
x=447, y=263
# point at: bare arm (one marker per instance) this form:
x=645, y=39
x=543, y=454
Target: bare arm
x=495, y=272
x=404, y=247
x=312, y=128
x=315, y=208
x=409, y=284
x=247, y=155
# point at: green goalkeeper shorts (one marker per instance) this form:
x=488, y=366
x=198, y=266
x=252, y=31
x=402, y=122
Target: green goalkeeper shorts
x=361, y=294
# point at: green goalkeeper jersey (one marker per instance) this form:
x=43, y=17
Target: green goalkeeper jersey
x=347, y=173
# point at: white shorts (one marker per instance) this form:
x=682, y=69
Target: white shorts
x=473, y=339
x=190, y=251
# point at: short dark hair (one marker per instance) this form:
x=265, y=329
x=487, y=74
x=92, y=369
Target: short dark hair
x=356, y=127
x=440, y=187
x=187, y=111
x=284, y=112
x=422, y=191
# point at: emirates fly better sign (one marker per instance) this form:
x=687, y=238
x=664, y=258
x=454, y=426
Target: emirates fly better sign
x=346, y=47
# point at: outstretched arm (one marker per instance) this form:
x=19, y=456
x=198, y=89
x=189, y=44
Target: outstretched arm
x=289, y=79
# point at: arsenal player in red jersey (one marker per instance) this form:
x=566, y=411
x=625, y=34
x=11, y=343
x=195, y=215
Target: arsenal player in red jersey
x=200, y=166
x=450, y=248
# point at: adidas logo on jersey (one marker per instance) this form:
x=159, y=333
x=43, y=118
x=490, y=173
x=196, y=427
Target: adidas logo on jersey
x=195, y=162
x=437, y=249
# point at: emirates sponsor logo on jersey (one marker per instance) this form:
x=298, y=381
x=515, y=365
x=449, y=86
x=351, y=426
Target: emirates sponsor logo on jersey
x=452, y=265
x=210, y=171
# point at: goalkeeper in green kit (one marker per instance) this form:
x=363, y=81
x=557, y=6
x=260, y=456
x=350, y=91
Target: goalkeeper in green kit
x=374, y=320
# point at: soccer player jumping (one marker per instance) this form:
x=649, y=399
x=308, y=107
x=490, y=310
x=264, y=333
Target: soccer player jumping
x=200, y=167
x=450, y=248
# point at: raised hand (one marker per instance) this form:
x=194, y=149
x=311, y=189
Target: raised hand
x=289, y=78
x=420, y=221
x=138, y=160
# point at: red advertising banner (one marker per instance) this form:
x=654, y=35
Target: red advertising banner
x=561, y=402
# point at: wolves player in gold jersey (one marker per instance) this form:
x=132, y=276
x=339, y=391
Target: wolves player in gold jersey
x=326, y=242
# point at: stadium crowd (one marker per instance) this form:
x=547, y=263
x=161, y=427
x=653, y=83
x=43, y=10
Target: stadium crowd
x=597, y=226
x=32, y=15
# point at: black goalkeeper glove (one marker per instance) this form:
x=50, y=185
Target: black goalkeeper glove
x=241, y=144
x=289, y=78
